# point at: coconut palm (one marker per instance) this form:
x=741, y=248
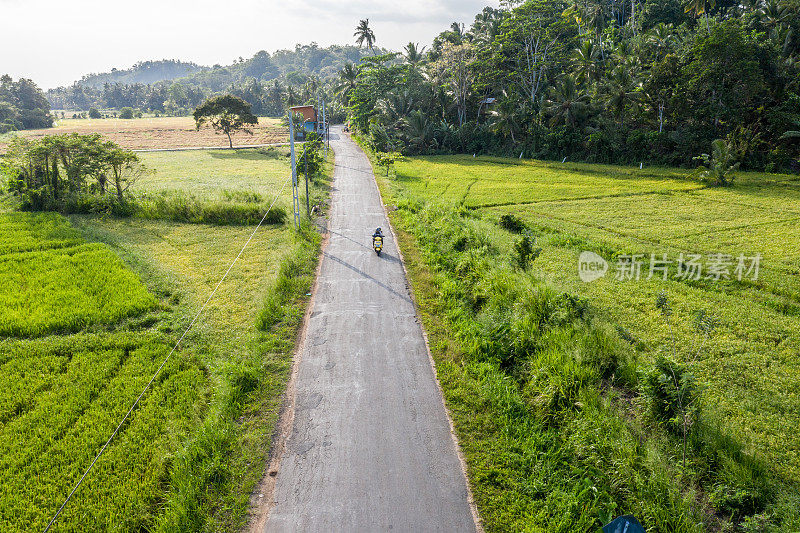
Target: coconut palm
x=699, y=8
x=661, y=37
x=276, y=94
x=596, y=20
x=622, y=89
x=567, y=103
x=586, y=59
x=457, y=30
x=347, y=82
x=397, y=104
x=414, y=53
x=486, y=25
x=506, y=118
x=364, y=34
x=774, y=15
x=418, y=129
x=719, y=166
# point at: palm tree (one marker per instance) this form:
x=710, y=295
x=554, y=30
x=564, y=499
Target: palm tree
x=418, y=129
x=397, y=104
x=567, y=103
x=347, y=82
x=414, y=54
x=364, y=34
x=661, y=37
x=506, y=118
x=586, y=61
x=622, y=89
x=774, y=15
x=457, y=30
x=596, y=18
x=291, y=95
x=487, y=25
x=700, y=7
x=277, y=94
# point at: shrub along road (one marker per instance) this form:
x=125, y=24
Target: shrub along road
x=370, y=446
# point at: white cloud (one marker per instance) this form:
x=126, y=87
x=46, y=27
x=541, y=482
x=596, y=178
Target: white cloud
x=55, y=42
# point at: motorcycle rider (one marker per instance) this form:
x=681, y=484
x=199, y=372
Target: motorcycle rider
x=377, y=241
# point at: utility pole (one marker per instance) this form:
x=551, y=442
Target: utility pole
x=295, y=198
x=326, y=131
x=305, y=172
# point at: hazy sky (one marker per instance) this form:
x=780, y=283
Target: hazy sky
x=55, y=42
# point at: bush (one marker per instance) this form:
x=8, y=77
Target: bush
x=671, y=392
x=387, y=160
x=512, y=223
x=718, y=167
x=126, y=113
x=524, y=253
x=311, y=157
x=94, y=113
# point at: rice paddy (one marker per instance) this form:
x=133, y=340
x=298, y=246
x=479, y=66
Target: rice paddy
x=748, y=370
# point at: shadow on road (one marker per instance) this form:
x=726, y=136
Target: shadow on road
x=367, y=276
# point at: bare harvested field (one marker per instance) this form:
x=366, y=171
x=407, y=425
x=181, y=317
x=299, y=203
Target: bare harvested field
x=160, y=132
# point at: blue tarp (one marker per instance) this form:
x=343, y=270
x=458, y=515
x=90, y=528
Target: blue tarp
x=624, y=524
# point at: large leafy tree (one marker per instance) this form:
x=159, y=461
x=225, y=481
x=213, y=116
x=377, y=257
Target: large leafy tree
x=532, y=45
x=226, y=114
x=22, y=105
x=454, y=70
x=725, y=75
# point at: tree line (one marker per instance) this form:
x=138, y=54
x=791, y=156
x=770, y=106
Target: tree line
x=598, y=80
x=67, y=172
x=268, y=82
x=22, y=105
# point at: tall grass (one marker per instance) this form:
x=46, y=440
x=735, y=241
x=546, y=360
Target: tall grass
x=235, y=208
x=205, y=461
x=548, y=403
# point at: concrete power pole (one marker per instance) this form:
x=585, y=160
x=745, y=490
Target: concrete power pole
x=295, y=196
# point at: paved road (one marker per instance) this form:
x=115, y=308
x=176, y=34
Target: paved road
x=370, y=448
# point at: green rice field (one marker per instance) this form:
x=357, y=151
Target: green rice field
x=749, y=368
x=89, y=307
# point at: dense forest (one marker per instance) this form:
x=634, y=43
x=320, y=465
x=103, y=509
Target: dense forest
x=269, y=82
x=606, y=81
x=22, y=105
x=597, y=80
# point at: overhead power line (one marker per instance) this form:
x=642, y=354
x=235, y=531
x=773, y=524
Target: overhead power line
x=152, y=379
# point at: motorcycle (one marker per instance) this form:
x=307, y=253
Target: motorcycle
x=377, y=241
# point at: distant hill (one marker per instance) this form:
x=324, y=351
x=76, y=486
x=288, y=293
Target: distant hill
x=175, y=87
x=293, y=65
x=146, y=72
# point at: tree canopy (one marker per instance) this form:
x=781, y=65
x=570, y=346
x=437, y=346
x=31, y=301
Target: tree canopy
x=22, y=105
x=615, y=82
x=226, y=114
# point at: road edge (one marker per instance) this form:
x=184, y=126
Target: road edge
x=262, y=497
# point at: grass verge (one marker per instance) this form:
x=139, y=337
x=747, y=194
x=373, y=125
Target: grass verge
x=548, y=397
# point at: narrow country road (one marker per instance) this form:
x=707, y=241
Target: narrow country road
x=370, y=447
